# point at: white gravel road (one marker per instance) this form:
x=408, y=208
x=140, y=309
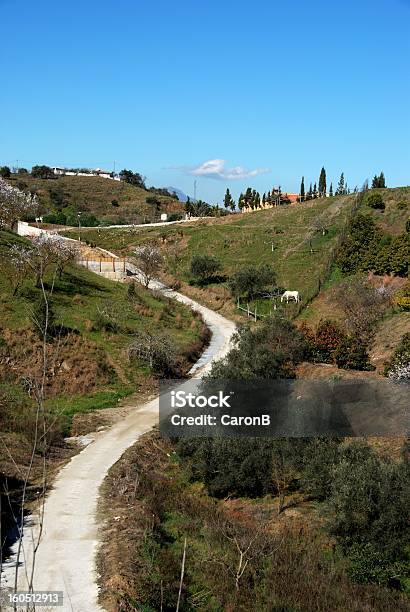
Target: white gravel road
x=65, y=559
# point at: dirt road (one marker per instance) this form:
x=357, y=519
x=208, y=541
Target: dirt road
x=65, y=560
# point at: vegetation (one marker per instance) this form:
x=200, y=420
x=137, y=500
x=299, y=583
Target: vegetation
x=239, y=554
x=204, y=267
x=61, y=198
x=91, y=322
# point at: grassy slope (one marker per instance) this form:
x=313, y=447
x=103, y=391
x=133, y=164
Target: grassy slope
x=95, y=194
x=76, y=300
x=239, y=240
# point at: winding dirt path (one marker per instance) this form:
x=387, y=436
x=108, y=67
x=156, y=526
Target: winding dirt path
x=65, y=560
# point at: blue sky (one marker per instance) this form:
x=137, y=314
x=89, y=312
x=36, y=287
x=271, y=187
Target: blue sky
x=274, y=89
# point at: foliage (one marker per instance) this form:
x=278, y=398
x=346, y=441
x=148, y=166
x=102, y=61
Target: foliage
x=5, y=172
x=368, y=248
x=369, y=525
x=269, y=351
x=250, y=281
x=379, y=182
x=204, y=267
x=375, y=200
x=351, y=354
x=322, y=183
x=327, y=339
x=42, y=172
x=133, y=178
x=229, y=202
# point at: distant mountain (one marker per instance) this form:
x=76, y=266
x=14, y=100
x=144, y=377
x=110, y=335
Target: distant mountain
x=181, y=195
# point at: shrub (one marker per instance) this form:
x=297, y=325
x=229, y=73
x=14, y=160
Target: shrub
x=375, y=200
x=269, y=351
x=204, y=267
x=252, y=280
x=327, y=339
x=401, y=205
x=351, y=354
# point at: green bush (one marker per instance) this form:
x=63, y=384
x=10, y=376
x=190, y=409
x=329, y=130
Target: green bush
x=352, y=355
x=401, y=205
x=204, y=267
x=375, y=200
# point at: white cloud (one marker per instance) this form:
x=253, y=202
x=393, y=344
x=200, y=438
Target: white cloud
x=216, y=169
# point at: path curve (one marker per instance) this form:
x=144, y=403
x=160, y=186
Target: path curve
x=66, y=556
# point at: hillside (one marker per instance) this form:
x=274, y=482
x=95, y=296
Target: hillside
x=110, y=201
x=287, y=237
x=94, y=321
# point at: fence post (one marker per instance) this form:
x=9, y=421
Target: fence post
x=113, y=264
x=247, y=305
x=255, y=312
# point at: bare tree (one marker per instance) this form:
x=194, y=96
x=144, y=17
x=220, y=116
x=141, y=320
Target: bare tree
x=149, y=260
x=156, y=349
x=362, y=304
x=248, y=544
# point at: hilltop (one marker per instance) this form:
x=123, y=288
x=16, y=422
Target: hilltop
x=112, y=202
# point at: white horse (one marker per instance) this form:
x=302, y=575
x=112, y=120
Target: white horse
x=294, y=295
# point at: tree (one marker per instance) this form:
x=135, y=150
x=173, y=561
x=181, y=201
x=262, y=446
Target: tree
x=302, y=189
x=229, y=202
x=331, y=190
x=315, y=194
x=149, y=261
x=156, y=349
x=362, y=305
x=379, y=182
x=252, y=280
x=189, y=209
x=14, y=205
x=341, y=187
x=322, y=183
x=42, y=172
x=5, y=172
x=283, y=468
x=241, y=202
x=204, y=267
x=133, y=178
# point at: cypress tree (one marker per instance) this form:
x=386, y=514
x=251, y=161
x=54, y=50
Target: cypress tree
x=302, y=189
x=331, y=190
x=322, y=183
x=228, y=200
x=315, y=192
x=341, y=189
